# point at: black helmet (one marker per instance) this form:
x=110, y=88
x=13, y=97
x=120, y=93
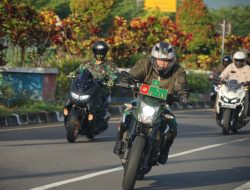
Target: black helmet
x=226, y=60
x=100, y=50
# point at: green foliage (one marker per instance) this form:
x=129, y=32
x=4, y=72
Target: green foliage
x=65, y=66
x=192, y=16
x=198, y=82
x=6, y=90
x=237, y=16
x=96, y=11
x=31, y=107
x=130, y=61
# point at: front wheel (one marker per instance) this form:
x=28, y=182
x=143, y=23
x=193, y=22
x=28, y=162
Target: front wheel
x=73, y=127
x=133, y=163
x=226, y=121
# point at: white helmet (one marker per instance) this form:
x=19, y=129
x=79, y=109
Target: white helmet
x=163, y=51
x=239, y=59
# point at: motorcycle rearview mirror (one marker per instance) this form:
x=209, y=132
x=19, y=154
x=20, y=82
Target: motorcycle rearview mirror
x=126, y=74
x=130, y=78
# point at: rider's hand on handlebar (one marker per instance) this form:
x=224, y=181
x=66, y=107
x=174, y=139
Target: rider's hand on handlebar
x=247, y=83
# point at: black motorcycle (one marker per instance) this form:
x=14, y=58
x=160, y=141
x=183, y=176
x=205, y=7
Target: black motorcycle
x=144, y=136
x=85, y=116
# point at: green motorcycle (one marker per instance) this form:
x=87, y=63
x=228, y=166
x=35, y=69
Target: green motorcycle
x=144, y=135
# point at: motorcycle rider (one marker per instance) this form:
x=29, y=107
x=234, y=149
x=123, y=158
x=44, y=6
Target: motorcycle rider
x=240, y=71
x=102, y=70
x=161, y=66
x=213, y=78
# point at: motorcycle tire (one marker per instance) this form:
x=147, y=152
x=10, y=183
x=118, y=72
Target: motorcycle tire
x=226, y=121
x=73, y=126
x=133, y=163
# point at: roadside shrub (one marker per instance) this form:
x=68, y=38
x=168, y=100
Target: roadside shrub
x=6, y=91
x=198, y=82
x=65, y=66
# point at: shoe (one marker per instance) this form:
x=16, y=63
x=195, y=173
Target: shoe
x=118, y=147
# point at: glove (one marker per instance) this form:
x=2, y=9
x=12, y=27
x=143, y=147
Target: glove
x=184, y=100
x=72, y=74
x=125, y=80
x=110, y=83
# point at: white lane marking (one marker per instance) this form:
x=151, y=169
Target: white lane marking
x=120, y=168
x=206, y=147
x=246, y=186
x=77, y=179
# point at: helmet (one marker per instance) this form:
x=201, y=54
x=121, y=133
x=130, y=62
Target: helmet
x=239, y=59
x=226, y=60
x=165, y=52
x=100, y=50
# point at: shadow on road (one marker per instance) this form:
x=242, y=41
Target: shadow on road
x=203, y=178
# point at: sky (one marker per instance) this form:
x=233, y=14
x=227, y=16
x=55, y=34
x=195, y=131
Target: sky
x=217, y=4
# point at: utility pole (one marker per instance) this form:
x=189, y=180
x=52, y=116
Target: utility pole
x=223, y=25
x=139, y=4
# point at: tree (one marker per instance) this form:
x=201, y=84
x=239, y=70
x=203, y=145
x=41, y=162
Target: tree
x=192, y=16
x=237, y=16
x=140, y=34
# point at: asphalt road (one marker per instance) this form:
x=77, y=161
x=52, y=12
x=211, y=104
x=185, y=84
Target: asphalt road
x=39, y=157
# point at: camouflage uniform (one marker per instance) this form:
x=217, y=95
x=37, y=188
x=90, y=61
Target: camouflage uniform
x=105, y=70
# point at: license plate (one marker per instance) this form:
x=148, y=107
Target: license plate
x=228, y=106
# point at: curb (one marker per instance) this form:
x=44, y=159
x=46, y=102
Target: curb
x=46, y=117
x=30, y=118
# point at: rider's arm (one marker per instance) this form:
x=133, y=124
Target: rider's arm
x=112, y=75
x=180, y=82
x=225, y=74
x=138, y=71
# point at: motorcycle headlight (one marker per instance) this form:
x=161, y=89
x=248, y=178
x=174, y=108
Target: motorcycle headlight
x=236, y=100
x=147, y=113
x=224, y=99
x=84, y=97
x=81, y=98
x=74, y=95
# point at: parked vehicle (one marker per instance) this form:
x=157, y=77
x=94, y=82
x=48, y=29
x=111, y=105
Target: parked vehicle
x=144, y=137
x=230, y=106
x=85, y=116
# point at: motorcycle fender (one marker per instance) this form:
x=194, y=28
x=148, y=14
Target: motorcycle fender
x=77, y=113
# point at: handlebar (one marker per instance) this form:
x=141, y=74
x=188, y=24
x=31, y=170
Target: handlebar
x=247, y=83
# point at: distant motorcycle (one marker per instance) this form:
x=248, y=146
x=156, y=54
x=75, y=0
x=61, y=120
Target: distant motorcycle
x=230, y=106
x=85, y=117
x=214, y=90
x=144, y=137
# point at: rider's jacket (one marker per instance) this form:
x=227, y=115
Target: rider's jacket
x=239, y=74
x=105, y=70
x=175, y=80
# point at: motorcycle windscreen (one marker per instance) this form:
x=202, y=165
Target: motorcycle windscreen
x=83, y=82
x=233, y=85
